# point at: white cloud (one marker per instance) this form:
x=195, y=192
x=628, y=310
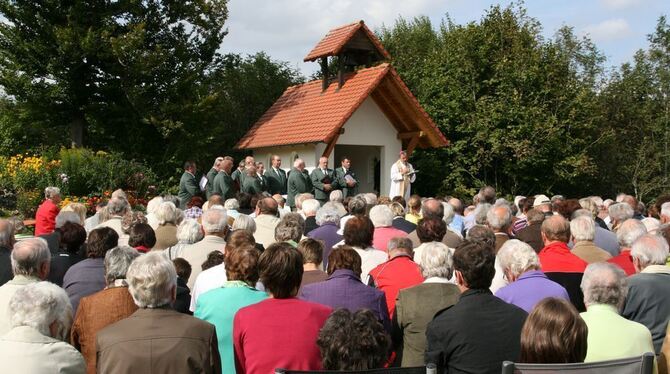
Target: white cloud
x=608, y=30
x=288, y=29
x=619, y=4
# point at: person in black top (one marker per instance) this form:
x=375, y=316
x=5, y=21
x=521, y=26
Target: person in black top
x=183, y=300
x=6, y=244
x=480, y=331
x=72, y=238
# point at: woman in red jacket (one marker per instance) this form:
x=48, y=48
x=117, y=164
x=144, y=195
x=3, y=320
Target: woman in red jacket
x=45, y=218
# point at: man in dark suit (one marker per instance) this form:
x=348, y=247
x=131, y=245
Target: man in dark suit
x=348, y=184
x=211, y=174
x=223, y=183
x=156, y=338
x=260, y=174
x=188, y=185
x=298, y=182
x=480, y=331
x=276, y=177
x=323, y=180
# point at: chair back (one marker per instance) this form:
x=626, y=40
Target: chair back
x=429, y=369
x=635, y=365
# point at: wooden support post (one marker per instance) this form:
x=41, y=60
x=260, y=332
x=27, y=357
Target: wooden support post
x=340, y=71
x=331, y=145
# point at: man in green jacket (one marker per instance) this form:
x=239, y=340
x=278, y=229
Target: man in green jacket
x=251, y=183
x=298, y=182
x=323, y=180
x=223, y=183
x=211, y=174
x=276, y=177
x=188, y=185
x=346, y=178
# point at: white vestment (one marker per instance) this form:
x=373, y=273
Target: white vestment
x=401, y=184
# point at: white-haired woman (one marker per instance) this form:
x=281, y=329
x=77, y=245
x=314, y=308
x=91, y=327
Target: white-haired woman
x=40, y=315
x=189, y=231
x=527, y=283
x=45, y=218
x=416, y=306
x=328, y=221
x=169, y=216
x=152, y=207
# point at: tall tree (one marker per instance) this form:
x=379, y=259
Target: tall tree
x=518, y=109
x=108, y=70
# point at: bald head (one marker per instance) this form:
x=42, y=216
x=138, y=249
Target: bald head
x=31, y=257
x=432, y=208
x=555, y=229
x=268, y=206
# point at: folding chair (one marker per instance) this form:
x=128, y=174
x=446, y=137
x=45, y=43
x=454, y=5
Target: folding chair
x=635, y=365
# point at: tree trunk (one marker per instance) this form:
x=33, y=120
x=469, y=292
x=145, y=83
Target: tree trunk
x=77, y=127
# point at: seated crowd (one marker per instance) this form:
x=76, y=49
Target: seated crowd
x=246, y=285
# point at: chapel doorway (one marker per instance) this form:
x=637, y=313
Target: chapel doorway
x=365, y=162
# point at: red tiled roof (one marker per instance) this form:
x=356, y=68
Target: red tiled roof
x=305, y=114
x=332, y=43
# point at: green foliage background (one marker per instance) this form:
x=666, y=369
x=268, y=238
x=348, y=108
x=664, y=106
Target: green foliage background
x=144, y=80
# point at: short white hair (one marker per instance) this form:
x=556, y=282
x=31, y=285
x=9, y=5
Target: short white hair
x=499, y=216
x=40, y=304
x=51, y=192
x=370, y=198
x=604, y=283
x=650, y=249
x=337, y=206
x=327, y=214
x=665, y=209
x=583, y=228
x=231, y=204
x=117, y=206
x=189, y=231
x=620, y=212
x=29, y=255
x=436, y=260
x=652, y=224
x=153, y=204
x=629, y=231
x=448, y=213
x=117, y=261
x=151, y=279
x=245, y=223
x=518, y=257
x=166, y=213
x=214, y=221
x=481, y=212
x=381, y=216
x=302, y=197
x=310, y=206
x=65, y=216
x=336, y=195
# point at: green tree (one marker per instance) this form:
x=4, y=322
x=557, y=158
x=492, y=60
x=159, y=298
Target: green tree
x=636, y=119
x=518, y=109
x=108, y=71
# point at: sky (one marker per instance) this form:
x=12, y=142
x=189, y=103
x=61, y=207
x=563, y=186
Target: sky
x=288, y=29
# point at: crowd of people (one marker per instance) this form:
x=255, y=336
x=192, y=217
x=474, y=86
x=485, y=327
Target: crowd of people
x=253, y=270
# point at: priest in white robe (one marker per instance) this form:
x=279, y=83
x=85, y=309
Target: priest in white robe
x=402, y=177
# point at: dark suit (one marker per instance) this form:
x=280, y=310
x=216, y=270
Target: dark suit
x=532, y=236
x=402, y=224
x=159, y=340
x=476, y=335
x=319, y=179
x=188, y=187
x=341, y=182
x=237, y=177
x=251, y=185
x=60, y=263
x=276, y=181
x=211, y=175
x=298, y=182
x=223, y=184
x=6, y=273
x=310, y=224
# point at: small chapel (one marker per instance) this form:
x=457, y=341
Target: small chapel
x=362, y=110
